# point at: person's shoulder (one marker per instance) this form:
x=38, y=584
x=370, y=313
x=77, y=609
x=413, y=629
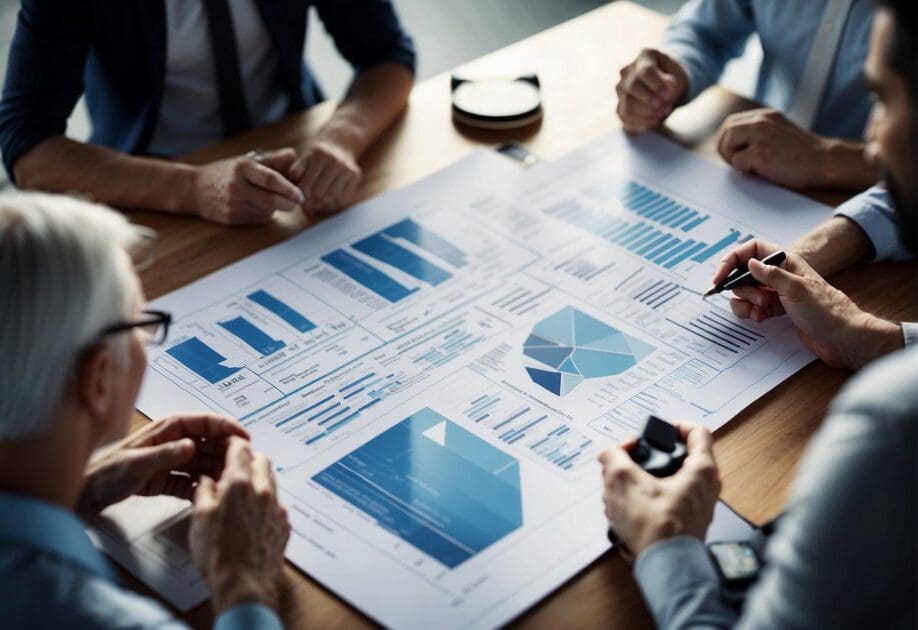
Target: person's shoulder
x=886, y=390
x=42, y=592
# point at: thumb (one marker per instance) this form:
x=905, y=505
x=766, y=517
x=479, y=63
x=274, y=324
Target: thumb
x=279, y=160
x=205, y=492
x=776, y=277
x=150, y=460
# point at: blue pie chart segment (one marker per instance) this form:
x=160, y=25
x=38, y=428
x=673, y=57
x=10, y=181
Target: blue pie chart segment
x=576, y=346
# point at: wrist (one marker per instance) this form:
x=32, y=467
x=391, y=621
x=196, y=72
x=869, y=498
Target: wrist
x=344, y=134
x=873, y=338
x=181, y=197
x=232, y=588
x=844, y=165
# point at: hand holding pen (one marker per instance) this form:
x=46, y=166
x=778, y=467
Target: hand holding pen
x=828, y=322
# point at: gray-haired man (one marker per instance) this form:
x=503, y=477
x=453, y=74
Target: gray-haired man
x=72, y=335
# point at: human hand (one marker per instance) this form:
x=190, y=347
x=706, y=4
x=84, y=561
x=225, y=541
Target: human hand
x=328, y=176
x=648, y=89
x=165, y=457
x=245, y=190
x=644, y=509
x=765, y=142
x=239, y=531
x=828, y=322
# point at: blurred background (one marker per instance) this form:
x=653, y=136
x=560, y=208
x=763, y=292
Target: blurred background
x=447, y=33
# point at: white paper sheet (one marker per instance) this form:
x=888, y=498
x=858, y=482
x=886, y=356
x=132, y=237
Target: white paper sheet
x=434, y=371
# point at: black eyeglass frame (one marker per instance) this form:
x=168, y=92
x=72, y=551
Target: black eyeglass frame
x=152, y=317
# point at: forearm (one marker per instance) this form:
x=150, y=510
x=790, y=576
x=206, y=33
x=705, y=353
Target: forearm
x=61, y=165
x=845, y=167
x=375, y=99
x=833, y=245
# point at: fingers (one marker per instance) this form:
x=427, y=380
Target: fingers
x=748, y=160
x=755, y=248
x=646, y=91
x=147, y=461
x=238, y=459
x=270, y=180
x=783, y=281
x=734, y=135
x=195, y=426
x=280, y=160
x=262, y=475
x=205, y=496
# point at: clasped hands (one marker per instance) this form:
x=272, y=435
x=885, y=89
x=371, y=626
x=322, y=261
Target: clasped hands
x=238, y=528
x=248, y=189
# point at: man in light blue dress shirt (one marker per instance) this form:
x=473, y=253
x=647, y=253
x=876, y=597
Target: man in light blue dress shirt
x=72, y=336
x=705, y=35
x=844, y=552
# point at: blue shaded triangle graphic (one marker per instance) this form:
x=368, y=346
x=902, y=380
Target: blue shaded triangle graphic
x=569, y=382
x=558, y=327
x=549, y=356
x=569, y=367
x=533, y=340
x=546, y=380
x=594, y=364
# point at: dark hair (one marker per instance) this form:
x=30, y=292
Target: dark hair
x=902, y=57
x=902, y=54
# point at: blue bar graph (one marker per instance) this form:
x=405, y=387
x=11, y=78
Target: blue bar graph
x=253, y=336
x=414, y=233
x=693, y=224
x=667, y=255
x=368, y=276
x=285, y=312
x=685, y=255
x=201, y=359
x=381, y=248
x=723, y=243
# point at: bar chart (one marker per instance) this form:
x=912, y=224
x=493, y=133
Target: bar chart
x=655, y=226
x=407, y=248
x=201, y=359
x=316, y=417
x=543, y=435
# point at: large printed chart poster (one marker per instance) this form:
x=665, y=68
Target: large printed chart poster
x=434, y=372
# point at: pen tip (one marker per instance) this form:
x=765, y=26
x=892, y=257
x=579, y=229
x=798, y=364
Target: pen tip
x=708, y=293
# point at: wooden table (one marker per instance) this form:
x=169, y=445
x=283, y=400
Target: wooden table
x=578, y=65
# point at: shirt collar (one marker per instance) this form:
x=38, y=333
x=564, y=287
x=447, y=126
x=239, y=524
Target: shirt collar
x=50, y=529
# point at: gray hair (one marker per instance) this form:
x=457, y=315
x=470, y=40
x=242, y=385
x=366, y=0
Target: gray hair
x=64, y=277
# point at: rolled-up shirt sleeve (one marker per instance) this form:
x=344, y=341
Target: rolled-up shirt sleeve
x=873, y=212
x=681, y=585
x=705, y=35
x=367, y=32
x=248, y=617
x=44, y=75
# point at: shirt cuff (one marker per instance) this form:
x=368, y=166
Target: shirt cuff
x=248, y=616
x=873, y=212
x=688, y=58
x=681, y=586
x=910, y=334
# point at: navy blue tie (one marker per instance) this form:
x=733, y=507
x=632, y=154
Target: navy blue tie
x=226, y=61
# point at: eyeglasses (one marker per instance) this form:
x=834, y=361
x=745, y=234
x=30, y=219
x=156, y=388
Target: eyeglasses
x=153, y=325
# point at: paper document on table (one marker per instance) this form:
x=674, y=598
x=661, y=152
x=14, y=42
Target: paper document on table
x=148, y=536
x=434, y=371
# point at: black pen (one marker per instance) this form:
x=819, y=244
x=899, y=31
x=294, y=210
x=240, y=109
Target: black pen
x=741, y=277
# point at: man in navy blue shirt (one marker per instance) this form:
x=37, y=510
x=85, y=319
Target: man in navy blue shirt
x=163, y=78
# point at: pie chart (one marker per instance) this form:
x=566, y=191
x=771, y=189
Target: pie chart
x=576, y=347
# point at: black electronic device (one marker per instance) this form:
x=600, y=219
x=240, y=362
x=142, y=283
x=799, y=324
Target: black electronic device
x=737, y=563
x=660, y=451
